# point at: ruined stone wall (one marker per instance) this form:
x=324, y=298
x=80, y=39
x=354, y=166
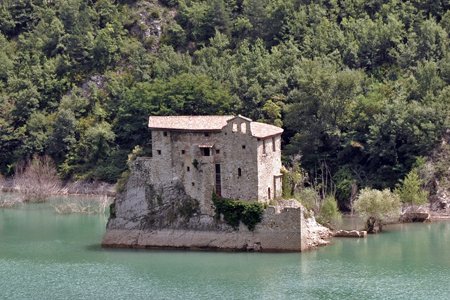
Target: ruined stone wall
x=150, y=215
x=269, y=166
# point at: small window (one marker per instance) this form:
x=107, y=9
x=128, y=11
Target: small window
x=264, y=146
x=183, y=152
x=235, y=127
x=205, y=151
x=165, y=133
x=274, y=145
x=239, y=172
x=188, y=169
x=206, y=133
x=159, y=152
x=243, y=146
x=243, y=127
x=217, y=151
x=193, y=184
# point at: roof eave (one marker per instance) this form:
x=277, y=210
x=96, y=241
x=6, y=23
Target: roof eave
x=267, y=136
x=185, y=130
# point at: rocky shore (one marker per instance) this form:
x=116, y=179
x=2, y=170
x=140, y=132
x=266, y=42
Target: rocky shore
x=69, y=188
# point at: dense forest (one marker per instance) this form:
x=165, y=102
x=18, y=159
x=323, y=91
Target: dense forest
x=360, y=87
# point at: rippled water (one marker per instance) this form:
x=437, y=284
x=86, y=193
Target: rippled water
x=44, y=255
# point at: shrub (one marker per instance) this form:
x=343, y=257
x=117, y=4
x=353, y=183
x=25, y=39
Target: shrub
x=329, y=212
x=375, y=206
x=122, y=182
x=235, y=211
x=310, y=198
x=155, y=14
x=37, y=179
x=86, y=206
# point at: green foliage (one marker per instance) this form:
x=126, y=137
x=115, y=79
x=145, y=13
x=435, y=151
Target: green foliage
x=112, y=210
x=375, y=206
x=188, y=208
x=122, y=182
x=195, y=163
x=235, y=211
x=359, y=85
x=410, y=189
x=329, y=212
x=155, y=14
x=310, y=198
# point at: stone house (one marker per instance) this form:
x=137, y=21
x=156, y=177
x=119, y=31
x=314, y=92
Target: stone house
x=231, y=155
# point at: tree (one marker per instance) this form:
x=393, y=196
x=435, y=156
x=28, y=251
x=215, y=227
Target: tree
x=375, y=206
x=410, y=189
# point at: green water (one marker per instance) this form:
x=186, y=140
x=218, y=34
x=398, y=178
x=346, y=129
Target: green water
x=44, y=255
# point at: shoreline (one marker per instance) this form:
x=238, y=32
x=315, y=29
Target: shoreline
x=71, y=188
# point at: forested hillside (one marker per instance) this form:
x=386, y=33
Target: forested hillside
x=360, y=87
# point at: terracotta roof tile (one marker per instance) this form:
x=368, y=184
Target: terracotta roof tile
x=263, y=130
x=189, y=123
x=209, y=123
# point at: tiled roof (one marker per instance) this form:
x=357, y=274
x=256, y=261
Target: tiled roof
x=189, y=123
x=263, y=130
x=209, y=123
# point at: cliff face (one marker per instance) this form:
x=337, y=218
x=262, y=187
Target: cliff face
x=148, y=215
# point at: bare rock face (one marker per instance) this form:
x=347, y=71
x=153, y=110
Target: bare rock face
x=351, y=233
x=147, y=215
x=314, y=234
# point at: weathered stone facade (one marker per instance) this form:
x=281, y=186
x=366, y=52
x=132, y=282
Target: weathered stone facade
x=228, y=159
x=167, y=202
x=161, y=215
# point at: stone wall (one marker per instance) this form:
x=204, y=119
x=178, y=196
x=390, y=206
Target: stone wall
x=163, y=215
x=269, y=166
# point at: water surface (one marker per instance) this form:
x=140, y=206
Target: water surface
x=44, y=255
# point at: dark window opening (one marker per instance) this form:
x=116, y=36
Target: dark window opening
x=206, y=133
x=218, y=181
x=268, y=191
x=183, y=151
x=264, y=146
x=205, y=151
x=165, y=133
x=273, y=145
x=243, y=146
x=193, y=184
x=239, y=172
x=188, y=169
x=217, y=151
x=159, y=152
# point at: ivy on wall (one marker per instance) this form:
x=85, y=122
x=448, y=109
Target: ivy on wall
x=235, y=211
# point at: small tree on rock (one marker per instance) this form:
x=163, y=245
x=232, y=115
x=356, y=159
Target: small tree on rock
x=409, y=190
x=375, y=206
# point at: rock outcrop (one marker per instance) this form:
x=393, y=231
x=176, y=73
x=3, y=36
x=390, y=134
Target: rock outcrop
x=146, y=215
x=351, y=233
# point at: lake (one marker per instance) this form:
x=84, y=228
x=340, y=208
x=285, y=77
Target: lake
x=44, y=255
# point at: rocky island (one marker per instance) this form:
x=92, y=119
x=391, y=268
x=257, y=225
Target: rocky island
x=170, y=200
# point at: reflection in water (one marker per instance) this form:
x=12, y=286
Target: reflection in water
x=44, y=255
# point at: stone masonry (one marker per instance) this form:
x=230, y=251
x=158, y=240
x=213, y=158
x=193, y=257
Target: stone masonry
x=150, y=215
x=233, y=156
x=167, y=202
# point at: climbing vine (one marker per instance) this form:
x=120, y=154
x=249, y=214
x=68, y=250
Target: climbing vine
x=235, y=211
